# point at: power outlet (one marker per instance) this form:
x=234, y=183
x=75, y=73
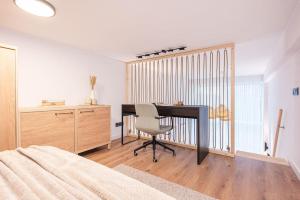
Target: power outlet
x=119, y=124
x=296, y=91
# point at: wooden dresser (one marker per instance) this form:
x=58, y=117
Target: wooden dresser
x=73, y=128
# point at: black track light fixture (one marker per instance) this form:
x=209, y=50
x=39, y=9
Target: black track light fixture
x=156, y=53
x=181, y=48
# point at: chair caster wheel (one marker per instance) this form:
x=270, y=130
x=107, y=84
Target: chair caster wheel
x=154, y=160
x=135, y=154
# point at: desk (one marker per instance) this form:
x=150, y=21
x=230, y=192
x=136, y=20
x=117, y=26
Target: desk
x=200, y=113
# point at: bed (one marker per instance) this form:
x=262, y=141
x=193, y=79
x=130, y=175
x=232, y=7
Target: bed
x=43, y=172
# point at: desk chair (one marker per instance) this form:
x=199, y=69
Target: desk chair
x=148, y=121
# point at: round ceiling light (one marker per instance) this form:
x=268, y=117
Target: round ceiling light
x=36, y=7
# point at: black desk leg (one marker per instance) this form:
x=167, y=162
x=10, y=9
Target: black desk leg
x=122, y=132
x=122, y=129
x=198, y=140
x=139, y=135
x=202, y=135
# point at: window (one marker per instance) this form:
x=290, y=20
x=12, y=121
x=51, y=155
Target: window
x=249, y=109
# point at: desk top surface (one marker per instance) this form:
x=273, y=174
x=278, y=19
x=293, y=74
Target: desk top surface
x=172, y=106
x=187, y=111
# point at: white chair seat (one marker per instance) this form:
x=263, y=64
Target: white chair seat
x=165, y=128
x=162, y=129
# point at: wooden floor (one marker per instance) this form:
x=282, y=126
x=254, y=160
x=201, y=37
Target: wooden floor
x=218, y=176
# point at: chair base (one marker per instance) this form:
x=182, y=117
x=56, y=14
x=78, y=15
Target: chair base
x=153, y=142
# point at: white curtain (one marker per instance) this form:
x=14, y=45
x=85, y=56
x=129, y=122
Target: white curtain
x=249, y=102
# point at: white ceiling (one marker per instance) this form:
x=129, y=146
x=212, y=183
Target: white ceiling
x=253, y=57
x=122, y=29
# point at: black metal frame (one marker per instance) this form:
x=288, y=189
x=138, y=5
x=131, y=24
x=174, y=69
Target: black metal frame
x=153, y=142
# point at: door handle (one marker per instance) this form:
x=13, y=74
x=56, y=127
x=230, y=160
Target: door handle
x=64, y=113
x=87, y=111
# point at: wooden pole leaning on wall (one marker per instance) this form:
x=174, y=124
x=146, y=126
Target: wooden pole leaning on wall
x=277, y=132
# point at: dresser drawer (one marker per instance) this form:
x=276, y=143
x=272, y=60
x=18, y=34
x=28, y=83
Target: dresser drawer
x=53, y=128
x=93, y=128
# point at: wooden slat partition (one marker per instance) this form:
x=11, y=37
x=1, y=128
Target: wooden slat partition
x=198, y=77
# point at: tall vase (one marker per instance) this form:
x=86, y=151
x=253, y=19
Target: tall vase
x=93, y=97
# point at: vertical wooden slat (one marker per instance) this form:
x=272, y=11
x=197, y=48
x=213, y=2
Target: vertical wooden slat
x=177, y=125
x=171, y=92
x=188, y=132
x=158, y=81
x=146, y=91
x=126, y=97
x=167, y=91
x=150, y=88
x=226, y=74
x=143, y=82
x=180, y=134
x=232, y=100
x=154, y=82
x=220, y=97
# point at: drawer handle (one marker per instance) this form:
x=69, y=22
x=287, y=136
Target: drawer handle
x=87, y=111
x=66, y=113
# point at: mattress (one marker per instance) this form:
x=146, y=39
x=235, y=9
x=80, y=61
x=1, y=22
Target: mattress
x=43, y=172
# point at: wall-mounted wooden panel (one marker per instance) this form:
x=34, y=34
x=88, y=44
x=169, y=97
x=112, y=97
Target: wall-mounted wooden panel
x=7, y=98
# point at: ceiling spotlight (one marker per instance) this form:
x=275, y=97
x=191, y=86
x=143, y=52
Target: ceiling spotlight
x=40, y=8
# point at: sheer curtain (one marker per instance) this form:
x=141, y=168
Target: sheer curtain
x=249, y=102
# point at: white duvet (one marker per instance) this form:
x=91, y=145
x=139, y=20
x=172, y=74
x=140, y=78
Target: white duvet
x=40, y=172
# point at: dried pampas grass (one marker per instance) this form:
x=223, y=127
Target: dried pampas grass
x=93, y=81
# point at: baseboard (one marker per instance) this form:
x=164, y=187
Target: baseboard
x=295, y=169
x=214, y=151
x=262, y=158
x=115, y=137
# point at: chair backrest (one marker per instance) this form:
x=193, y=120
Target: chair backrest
x=146, y=117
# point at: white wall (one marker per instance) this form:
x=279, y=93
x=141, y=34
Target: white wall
x=48, y=70
x=282, y=76
x=253, y=56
